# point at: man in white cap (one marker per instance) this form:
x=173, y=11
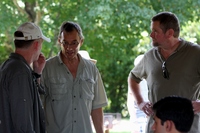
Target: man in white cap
x=21, y=109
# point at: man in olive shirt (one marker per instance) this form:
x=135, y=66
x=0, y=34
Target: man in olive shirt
x=171, y=67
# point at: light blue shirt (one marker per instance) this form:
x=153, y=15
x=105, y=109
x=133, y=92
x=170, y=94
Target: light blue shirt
x=69, y=102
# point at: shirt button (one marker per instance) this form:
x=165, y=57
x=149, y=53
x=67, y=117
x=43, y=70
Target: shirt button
x=24, y=100
x=74, y=121
x=74, y=96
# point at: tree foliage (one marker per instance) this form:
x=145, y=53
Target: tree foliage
x=115, y=31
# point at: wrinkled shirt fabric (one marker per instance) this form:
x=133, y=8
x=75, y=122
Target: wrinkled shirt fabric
x=21, y=109
x=69, y=101
x=184, y=76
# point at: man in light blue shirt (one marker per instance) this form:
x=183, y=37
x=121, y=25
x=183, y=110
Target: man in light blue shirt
x=74, y=88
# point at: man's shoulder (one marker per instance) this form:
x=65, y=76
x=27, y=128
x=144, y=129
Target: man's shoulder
x=13, y=65
x=151, y=52
x=189, y=43
x=89, y=66
x=52, y=64
x=190, y=46
x=12, y=68
x=88, y=62
x=52, y=60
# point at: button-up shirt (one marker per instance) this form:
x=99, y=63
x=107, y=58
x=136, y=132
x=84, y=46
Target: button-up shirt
x=69, y=101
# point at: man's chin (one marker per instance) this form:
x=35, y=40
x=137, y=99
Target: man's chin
x=154, y=44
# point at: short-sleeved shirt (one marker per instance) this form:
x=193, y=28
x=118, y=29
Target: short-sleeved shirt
x=184, y=75
x=69, y=101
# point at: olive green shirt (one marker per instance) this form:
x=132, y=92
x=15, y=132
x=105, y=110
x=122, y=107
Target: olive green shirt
x=184, y=76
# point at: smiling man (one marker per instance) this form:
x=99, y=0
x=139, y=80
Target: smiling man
x=173, y=114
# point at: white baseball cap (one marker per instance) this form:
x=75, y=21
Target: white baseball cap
x=31, y=32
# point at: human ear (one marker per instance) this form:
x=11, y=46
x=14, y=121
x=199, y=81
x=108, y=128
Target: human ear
x=36, y=44
x=59, y=41
x=170, y=33
x=81, y=43
x=168, y=125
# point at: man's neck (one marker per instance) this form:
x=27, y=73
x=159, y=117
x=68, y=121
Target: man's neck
x=167, y=51
x=26, y=54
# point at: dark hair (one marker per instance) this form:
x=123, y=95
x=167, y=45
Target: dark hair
x=21, y=43
x=69, y=27
x=177, y=109
x=168, y=21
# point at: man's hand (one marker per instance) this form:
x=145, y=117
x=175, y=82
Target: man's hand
x=146, y=107
x=39, y=64
x=196, y=106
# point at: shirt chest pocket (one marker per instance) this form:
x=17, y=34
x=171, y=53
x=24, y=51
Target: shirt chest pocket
x=87, y=89
x=58, y=88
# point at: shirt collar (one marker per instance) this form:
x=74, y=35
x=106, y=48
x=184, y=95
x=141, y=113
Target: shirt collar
x=80, y=57
x=182, y=43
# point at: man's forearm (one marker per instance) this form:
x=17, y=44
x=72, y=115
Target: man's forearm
x=97, y=118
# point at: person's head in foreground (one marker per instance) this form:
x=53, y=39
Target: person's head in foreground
x=173, y=114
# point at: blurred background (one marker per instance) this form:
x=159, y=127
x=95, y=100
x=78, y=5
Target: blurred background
x=116, y=32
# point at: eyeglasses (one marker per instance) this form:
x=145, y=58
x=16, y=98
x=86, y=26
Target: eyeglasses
x=73, y=44
x=165, y=71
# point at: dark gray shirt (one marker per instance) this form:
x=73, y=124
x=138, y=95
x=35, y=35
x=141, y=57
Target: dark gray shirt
x=21, y=109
